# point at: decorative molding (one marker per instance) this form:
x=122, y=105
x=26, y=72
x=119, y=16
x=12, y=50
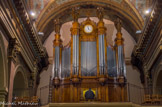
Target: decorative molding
x=147, y=50
x=22, y=30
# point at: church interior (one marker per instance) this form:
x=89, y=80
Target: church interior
x=80, y=53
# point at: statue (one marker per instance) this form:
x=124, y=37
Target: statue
x=57, y=26
x=100, y=13
x=118, y=25
x=75, y=13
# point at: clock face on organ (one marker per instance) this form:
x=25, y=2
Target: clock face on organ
x=88, y=28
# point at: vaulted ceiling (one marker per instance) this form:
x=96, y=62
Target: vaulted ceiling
x=53, y=9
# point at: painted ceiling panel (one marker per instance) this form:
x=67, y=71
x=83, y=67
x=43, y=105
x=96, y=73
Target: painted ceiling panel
x=38, y=5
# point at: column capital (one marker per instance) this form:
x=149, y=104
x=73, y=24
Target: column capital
x=119, y=39
x=14, y=49
x=101, y=28
x=75, y=29
x=57, y=41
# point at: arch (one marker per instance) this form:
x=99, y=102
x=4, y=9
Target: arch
x=3, y=70
x=20, y=82
x=20, y=68
x=17, y=69
x=123, y=9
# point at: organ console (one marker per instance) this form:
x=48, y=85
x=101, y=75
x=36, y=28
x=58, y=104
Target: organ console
x=88, y=64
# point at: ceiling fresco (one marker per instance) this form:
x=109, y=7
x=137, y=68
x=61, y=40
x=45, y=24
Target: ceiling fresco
x=38, y=5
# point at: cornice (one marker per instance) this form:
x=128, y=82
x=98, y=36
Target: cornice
x=148, y=46
x=151, y=60
x=11, y=29
x=149, y=28
x=16, y=28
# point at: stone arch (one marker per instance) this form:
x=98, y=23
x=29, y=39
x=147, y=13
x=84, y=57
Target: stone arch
x=132, y=20
x=3, y=70
x=20, y=82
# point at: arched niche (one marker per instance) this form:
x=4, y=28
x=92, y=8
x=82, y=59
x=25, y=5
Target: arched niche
x=3, y=70
x=20, y=83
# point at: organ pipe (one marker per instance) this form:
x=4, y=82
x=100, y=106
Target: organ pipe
x=102, y=43
x=75, y=44
x=119, y=42
x=57, y=48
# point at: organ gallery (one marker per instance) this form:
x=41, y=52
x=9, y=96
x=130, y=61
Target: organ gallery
x=88, y=65
x=80, y=53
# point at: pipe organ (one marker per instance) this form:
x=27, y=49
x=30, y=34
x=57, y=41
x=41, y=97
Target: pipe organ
x=88, y=68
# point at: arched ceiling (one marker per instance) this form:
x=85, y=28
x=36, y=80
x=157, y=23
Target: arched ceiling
x=123, y=9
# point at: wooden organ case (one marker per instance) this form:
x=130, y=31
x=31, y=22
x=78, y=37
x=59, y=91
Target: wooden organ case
x=88, y=69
